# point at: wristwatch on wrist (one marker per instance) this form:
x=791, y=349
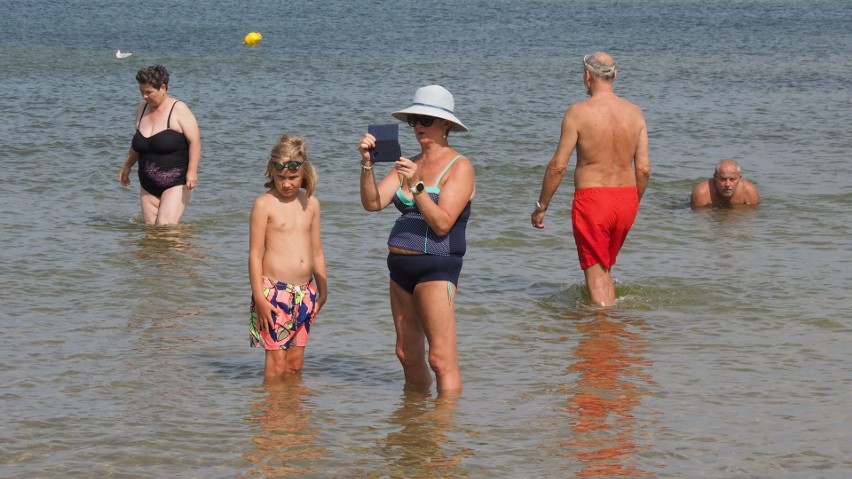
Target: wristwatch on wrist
x=539, y=208
x=418, y=188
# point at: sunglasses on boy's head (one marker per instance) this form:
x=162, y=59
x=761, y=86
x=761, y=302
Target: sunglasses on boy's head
x=291, y=165
x=426, y=121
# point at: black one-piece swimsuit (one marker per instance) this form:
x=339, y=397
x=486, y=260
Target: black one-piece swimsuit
x=163, y=158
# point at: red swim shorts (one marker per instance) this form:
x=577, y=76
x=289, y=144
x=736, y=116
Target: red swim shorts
x=601, y=217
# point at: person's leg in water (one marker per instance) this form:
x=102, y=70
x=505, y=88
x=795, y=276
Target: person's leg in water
x=150, y=205
x=436, y=302
x=600, y=285
x=281, y=362
x=410, y=339
x=173, y=204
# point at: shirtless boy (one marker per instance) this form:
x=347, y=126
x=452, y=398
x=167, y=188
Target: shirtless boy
x=286, y=264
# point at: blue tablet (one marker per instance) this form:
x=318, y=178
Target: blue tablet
x=387, y=142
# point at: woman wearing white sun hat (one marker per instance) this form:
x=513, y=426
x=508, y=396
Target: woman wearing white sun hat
x=433, y=191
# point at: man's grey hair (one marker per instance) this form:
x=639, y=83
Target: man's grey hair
x=719, y=167
x=601, y=69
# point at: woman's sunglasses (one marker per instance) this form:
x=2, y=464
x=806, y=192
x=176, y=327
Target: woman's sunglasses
x=426, y=121
x=291, y=165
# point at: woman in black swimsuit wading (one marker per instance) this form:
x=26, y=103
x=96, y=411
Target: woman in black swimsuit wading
x=167, y=146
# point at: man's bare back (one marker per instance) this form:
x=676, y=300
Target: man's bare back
x=611, y=135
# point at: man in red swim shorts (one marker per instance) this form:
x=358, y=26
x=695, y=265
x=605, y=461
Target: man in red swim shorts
x=612, y=173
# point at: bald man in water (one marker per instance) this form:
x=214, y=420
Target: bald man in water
x=612, y=173
x=726, y=188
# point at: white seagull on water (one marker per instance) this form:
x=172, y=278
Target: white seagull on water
x=119, y=54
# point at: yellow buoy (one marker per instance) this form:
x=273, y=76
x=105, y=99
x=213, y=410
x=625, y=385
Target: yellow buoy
x=252, y=39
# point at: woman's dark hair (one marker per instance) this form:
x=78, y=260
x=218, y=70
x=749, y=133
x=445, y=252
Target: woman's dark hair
x=154, y=75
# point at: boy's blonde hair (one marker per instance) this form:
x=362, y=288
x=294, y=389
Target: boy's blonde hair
x=293, y=147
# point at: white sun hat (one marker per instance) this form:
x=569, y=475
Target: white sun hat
x=432, y=100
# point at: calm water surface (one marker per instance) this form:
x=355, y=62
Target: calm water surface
x=124, y=349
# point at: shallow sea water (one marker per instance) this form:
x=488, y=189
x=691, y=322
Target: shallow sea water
x=124, y=349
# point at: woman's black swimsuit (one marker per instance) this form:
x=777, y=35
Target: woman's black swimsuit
x=163, y=157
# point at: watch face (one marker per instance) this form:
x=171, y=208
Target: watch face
x=420, y=186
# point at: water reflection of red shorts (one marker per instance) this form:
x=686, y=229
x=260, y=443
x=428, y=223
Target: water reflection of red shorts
x=601, y=217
